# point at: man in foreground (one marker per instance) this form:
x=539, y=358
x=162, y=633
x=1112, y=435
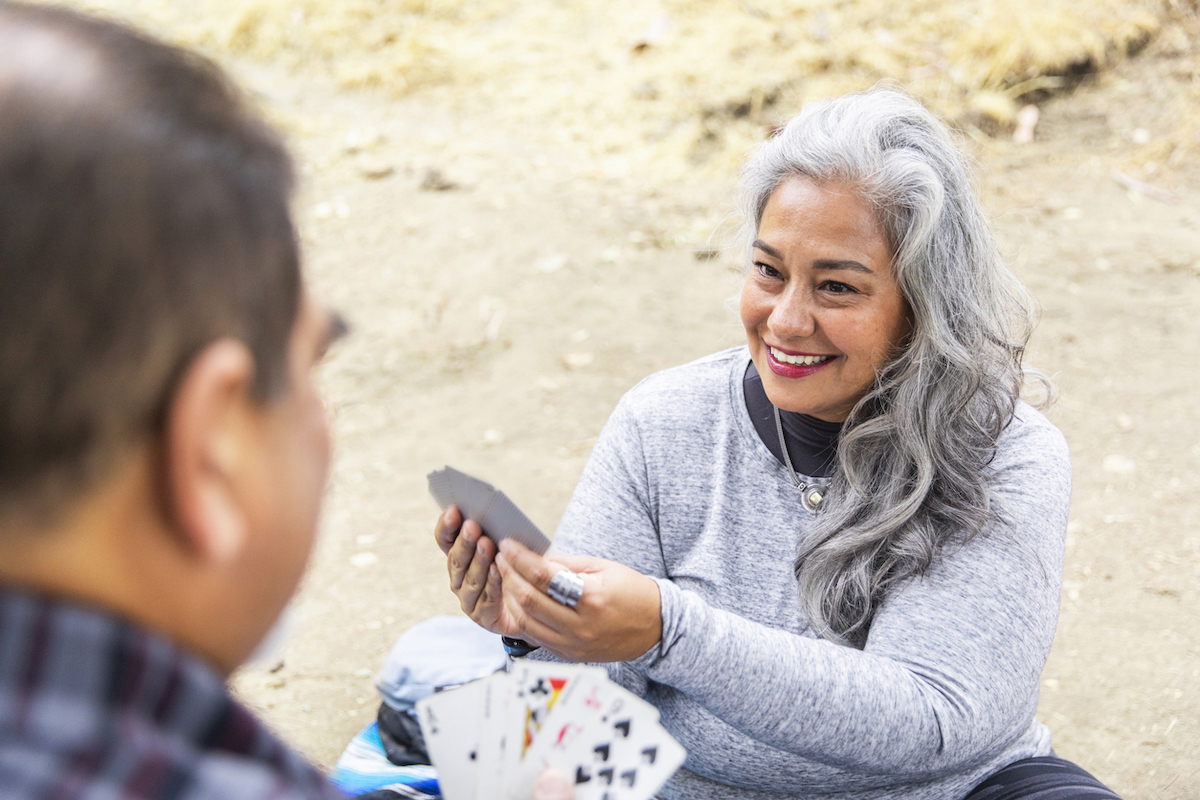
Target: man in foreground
x=163, y=448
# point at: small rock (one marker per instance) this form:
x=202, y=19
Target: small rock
x=1119, y=465
x=1124, y=422
x=653, y=34
x=580, y=336
x=1140, y=136
x=493, y=328
x=492, y=437
x=374, y=172
x=361, y=560
x=578, y=360
x=1027, y=120
x=434, y=181
x=551, y=264
x=362, y=673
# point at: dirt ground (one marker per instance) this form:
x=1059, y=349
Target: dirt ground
x=506, y=286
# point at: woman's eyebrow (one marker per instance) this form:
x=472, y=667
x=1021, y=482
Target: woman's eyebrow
x=766, y=248
x=840, y=264
x=825, y=263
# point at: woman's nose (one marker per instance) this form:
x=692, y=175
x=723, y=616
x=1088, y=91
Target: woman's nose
x=792, y=317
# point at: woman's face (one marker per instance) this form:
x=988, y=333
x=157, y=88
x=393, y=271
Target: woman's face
x=820, y=304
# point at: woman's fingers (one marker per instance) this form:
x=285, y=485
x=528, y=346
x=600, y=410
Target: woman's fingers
x=553, y=785
x=618, y=618
x=580, y=564
x=462, y=553
x=536, y=570
x=477, y=576
x=446, y=529
x=530, y=607
x=530, y=627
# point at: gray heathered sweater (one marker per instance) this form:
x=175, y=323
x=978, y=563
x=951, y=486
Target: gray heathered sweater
x=681, y=488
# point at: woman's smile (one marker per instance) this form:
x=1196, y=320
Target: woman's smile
x=795, y=365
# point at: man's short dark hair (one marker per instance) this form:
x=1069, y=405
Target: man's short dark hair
x=144, y=213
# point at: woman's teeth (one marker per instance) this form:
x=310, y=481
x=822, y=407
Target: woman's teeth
x=799, y=361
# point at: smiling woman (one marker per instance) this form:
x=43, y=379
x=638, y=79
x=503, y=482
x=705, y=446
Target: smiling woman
x=832, y=558
x=821, y=306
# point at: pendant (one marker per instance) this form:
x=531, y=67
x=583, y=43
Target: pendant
x=811, y=497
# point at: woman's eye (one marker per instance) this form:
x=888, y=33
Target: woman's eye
x=766, y=270
x=837, y=287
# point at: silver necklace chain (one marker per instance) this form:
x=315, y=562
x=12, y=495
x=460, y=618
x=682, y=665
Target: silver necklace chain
x=812, y=493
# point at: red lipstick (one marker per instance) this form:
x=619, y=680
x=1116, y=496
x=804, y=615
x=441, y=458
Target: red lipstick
x=793, y=370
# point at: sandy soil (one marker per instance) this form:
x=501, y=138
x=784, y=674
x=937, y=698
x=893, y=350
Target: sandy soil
x=506, y=288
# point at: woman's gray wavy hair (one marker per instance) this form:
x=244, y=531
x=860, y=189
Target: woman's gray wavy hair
x=912, y=456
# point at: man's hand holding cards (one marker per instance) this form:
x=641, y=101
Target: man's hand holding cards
x=490, y=739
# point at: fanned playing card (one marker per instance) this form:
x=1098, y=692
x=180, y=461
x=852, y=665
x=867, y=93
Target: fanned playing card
x=582, y=700
x=606, y=740
x=450, y=724
x=535, y=687
x=489, y=770
x=623, y=755
x=508, y=521
x=493, y=510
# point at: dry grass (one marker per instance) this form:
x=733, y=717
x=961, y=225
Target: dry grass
x=684, y=84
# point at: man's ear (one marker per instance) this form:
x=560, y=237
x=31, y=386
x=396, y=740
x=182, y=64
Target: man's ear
x=206, y=442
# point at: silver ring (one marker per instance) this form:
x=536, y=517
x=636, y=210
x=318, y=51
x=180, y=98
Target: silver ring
x=566, y=587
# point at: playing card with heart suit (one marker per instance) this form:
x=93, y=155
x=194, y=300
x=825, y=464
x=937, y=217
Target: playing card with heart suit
x=485, y=742
x=534, y=689
x=581, y=700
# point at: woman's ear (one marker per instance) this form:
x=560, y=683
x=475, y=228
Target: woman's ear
x=208, y=436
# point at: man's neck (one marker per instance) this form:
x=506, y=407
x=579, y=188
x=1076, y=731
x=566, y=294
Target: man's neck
x=111, y=550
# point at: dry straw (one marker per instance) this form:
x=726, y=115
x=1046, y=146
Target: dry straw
x=691, y=83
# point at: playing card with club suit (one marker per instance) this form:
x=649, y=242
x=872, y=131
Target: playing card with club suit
x=580, y=701
x=534, y=689
x=497, y=515
x=450, y=724
x=624, y=754
x=606, y=740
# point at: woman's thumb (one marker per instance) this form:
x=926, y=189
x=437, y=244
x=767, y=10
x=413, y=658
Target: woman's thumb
x=553, y=785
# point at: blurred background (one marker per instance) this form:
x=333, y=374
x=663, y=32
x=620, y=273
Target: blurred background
x=523, y=208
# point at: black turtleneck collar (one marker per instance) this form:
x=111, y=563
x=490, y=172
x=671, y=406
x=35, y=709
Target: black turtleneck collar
x=811, y=442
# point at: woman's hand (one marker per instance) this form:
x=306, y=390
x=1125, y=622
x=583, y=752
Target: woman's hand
x=474, y=578
x=618, y=618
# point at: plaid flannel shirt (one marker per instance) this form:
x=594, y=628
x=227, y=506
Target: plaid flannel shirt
x=93, y=707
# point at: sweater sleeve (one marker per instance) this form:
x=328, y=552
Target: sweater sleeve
x=609, y=498
x=950, y=670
